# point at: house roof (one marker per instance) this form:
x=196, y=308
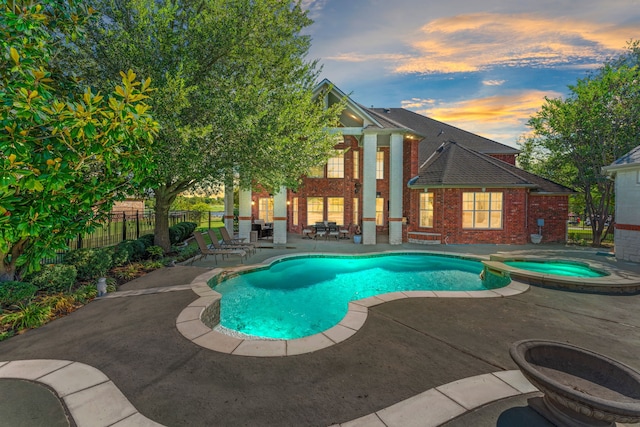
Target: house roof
x=629, y=160
x=455, y=165
x=434, y=133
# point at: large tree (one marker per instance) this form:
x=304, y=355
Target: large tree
x=67, y=153
x=573, y=138
x=233, y=90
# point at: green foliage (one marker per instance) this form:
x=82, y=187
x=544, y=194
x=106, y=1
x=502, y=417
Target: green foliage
x=55, y=278
x=67, y=152
x=31, y=315
x=215, y=119
x=90, y=263
x=596, y=124
x=6, y=334
x=187, y=252
x=85, y=293
x=155, y=252
x=12, y=293
x=120, y=254
x=181, y=231
x=147, y=239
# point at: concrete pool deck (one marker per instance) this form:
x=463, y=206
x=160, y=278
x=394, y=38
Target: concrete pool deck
x=407, y=352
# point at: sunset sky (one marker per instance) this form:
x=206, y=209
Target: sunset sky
x=482, y=65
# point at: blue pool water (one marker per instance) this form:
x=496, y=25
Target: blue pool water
x=303, y=296
x=556, y=267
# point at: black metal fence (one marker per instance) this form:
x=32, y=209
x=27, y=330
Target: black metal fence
x=121, y=226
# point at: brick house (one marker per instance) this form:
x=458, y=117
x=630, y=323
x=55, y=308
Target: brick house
x=415, y=179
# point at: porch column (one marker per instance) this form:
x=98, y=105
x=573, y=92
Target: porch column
x=228, y=205
x=395, y=190
x=244, y=214
x=280, y=217
x=369, y=189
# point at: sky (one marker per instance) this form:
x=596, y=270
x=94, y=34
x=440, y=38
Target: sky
x=484, y=66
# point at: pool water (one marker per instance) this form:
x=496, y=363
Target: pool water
x=558, y=268
x=303, y=296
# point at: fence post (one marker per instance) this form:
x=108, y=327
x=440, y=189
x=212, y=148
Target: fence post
x=209, y=220
x=124, y=226
x=137, y=226
x=79, y=241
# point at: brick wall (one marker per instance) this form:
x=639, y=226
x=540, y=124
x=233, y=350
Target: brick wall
x=555, y=211
x=129, y=206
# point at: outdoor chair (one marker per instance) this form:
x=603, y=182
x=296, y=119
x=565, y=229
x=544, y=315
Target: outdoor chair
x=206, y=251
x=307, y=232
x=226, y=237
x=321, y=230
x=345, y=231
x=332, y=230
x=249, y=247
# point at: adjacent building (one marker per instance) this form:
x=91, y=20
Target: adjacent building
x=626, y=172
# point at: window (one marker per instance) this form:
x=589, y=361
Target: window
x=379, y=211
x=356, y=212
x=426, y=209
x=380, y=165
x=265, y=209
x=335, y=165
x=335, y=210
x=315, y=210
x=356, y=164
x=316, y=172
x=295, y=211
x=482, y=210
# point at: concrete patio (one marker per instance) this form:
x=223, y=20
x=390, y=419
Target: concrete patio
x=406, y=349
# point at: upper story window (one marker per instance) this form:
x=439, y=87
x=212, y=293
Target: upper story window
x=380, y=165
x=482, y=210
x=335, y=165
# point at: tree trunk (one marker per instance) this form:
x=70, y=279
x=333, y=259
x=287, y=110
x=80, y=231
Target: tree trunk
x=161, y=232
x=7, y=272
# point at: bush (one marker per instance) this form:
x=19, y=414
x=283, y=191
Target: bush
x=135, y=248
x=147, y=240
x=55, y=278
x=28, y=316
x=181, y=231
x=16, y=292
x=120, y=255
x=85, y=293
x=155, y=252
x=89, y=263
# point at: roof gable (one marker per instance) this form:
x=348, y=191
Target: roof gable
x=353, y=115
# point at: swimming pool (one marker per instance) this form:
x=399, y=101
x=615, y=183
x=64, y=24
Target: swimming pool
x=301, y=296
x=560, y=268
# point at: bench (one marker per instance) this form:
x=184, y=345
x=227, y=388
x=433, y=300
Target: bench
x=424, y=238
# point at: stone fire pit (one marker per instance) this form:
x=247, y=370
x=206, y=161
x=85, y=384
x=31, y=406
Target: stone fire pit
x=581, y=388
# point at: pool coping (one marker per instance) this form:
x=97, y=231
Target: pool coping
x=191, y=325
x=615, y=282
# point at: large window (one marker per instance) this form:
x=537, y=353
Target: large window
x=482, y=210
x=379, y=211
x=265, y=209
x=335, y=165
x=380, y=165
x=295, y=211
x=356, y=164
x=426, y=209
x=356, y=211
x=316, y=172
x=335, y=210
x=315, y=210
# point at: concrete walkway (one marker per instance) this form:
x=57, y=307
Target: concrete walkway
x=408, y=350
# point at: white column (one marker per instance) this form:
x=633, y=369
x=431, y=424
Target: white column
x=280, y=217
x=228, y=205
x=244, y=214
x=369, y=189
x=395, y=190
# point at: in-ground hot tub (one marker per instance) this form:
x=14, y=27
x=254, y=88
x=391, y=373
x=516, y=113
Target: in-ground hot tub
x=564, y=274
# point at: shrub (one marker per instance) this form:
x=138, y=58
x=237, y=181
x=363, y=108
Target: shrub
x=28, y=316
x=128, y=272
x=147, y=239
x=155, y=252
x=135, y=248
x=85, y=293
x=90, y=263
x=120, y=255
x=55, y=278
x=187, y=252
x=60, y=304
x=16, y=292
x=181, y=231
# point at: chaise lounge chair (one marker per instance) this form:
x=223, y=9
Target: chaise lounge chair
x=248, y=247
x=206, y=251
x=228, y=240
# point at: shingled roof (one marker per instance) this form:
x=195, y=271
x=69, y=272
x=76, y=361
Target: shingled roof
x=455, y=165
x=435, y=133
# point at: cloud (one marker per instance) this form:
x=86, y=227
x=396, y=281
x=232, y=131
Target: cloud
x=502, y=117
x=474, y=42
x=416, y=103
x=364, y=57
x=313, y=7
x=493, y=82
